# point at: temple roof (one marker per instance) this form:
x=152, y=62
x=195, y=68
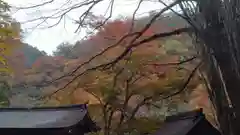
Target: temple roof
x=187, y=123
x=42, y=117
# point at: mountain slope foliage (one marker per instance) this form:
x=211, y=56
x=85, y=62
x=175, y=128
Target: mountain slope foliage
x=131, y=94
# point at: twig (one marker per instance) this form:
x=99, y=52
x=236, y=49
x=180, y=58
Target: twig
x=128, y=49
x=147, y=99
x=156, y=36
x=38, y=5
x=186, y=83
x=112, y=63
x=84, y=15
x=175, y=63
x=134, y=14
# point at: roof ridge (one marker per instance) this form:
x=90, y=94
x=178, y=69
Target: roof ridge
x=77, y=106
x=185, y=115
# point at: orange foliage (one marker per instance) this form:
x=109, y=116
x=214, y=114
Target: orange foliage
x=115, y=30
x=106, y=36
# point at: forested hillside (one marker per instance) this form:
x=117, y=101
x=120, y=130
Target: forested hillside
x=128, y=95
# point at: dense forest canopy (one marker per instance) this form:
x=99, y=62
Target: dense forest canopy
x=140, y=77
x=131, y=71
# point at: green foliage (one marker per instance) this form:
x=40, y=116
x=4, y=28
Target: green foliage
x=175, y=47
x=142, y=125
x=4, y=92
x=64, y=49
x=108, y=94
x=9, y=35
x=31, y=54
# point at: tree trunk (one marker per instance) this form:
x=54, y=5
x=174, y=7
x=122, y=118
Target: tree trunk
x=224, y=80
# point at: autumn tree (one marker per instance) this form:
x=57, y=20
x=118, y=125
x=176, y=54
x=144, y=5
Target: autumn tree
x=10, y=61
x=10, y=35
x=146, y=58
x=126, y=97
x=124, y=93
x=215, y=27
x=4, y=94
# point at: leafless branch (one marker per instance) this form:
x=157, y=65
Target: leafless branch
x=148, y=25
x=112, y=63
x=85, y=14
x=175, y=63
x=127, y=97
x=35, y=6
x=115, y=78
x=186, y=83
x=125, y=52
x=109, y=122
x=149, y=98
x=134, y=14
x=134, y=45
x=206, y=83
x=90, y=60
x=71, y=81
x=138, y=34
x=128, y=49
x=110, y=15
x=173, y=10
x=61, y=13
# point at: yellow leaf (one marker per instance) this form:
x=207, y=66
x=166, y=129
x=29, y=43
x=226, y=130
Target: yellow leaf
x=7, y=51
x=3, y=60
x=2, y=45
x=5, y=70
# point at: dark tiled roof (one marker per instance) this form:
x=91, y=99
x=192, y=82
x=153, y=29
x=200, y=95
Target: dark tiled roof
x=180, y=127
x=181, y=123
x=185, y=115
x=44, y=117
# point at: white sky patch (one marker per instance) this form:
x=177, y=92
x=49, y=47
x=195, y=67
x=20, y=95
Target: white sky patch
x=49, y=39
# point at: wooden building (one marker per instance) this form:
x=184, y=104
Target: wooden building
x=66, y=120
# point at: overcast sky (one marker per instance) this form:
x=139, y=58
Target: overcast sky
x=48, y=39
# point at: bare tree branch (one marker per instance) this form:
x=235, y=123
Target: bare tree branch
x=156, y=36
x=149, y=98
x=186, y=83
x=127, y=97
x=134, y=14
x=85, y=14
x=61, y=13
x=89, y=60
x=128, y=49
x=37, y=5
x=175, y=63
x=112, y=63
x=148, y=25
x=109, y=122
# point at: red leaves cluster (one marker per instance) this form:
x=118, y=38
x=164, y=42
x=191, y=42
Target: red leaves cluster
x=113, y=31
